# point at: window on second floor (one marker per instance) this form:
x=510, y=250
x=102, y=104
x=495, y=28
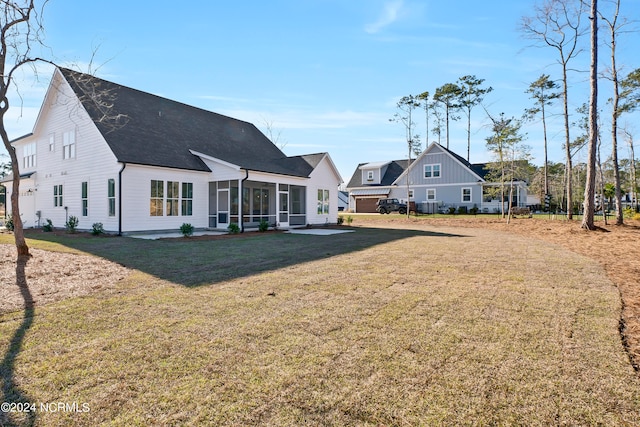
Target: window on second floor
x=369, y=175
x=29, y=155
x=432, y=171
x=69, y=145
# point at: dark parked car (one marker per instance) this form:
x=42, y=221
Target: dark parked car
x=391, y=205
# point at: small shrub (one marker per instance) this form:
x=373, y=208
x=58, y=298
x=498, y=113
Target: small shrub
x=9, y=223
x=452, y=210
x=186, y=229
x=462, y=210
x=474, y=210
x=263, y=226
x=48, y=226
x=71, y=224
x=97, y=229
x=340, y=220
x=233, y=228
x=349, y=220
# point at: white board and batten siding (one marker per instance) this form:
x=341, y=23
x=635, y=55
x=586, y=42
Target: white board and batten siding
x=454, y=176
x=92, y=162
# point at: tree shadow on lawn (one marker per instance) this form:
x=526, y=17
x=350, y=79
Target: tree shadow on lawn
x=19, y=402
x=191, y=262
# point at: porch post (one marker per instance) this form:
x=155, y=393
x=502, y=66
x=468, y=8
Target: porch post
x=241, y=200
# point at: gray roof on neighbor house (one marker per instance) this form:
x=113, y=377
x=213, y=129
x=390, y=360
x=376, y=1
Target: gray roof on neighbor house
x=146, y=129
x=478, y=168
x=394, y=170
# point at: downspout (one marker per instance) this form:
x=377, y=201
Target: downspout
x=124, y=165
x=240, y=200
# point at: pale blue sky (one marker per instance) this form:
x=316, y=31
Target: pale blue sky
x=325, y=74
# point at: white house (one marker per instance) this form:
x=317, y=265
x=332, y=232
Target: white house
x=138, y=162
x=438, y=179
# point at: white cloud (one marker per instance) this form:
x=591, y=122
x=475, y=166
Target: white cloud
x=389, y=15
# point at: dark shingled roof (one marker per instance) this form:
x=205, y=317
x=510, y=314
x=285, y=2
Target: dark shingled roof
x=394, y=170
x=150, y=130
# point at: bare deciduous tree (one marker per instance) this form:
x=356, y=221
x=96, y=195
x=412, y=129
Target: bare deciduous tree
x=405, y=106
x=21, y=29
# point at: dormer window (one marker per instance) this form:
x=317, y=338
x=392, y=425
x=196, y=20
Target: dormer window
x=369, y=175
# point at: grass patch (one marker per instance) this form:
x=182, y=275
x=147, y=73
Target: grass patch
x=376, y=327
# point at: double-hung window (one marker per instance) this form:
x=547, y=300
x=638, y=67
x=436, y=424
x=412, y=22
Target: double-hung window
x=323, y=202
x=111, y=196
x=431, y=194
x=173, y=197
x=466, y=195
x=157, y=198
x=29, y=155
x=187, y=199
x=57, y=196
x=85, y=198
x=69, y=144
x=432, y=171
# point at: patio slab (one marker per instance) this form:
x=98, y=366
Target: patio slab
x=318, y=231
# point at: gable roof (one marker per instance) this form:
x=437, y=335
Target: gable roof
x=477, y=169
x=395, y=168
x=147, y=129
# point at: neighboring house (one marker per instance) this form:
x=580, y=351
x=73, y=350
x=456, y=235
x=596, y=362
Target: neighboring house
x=138, y=162
x=373, y=181
x=438, y=179
x=343, y=201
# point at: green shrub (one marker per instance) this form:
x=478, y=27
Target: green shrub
x=233, y=228
x=186, y=229
x=71, y=224
x=48, y=226
x=340, y=220
x=452, y=210
x=9, y=223
x=349, y=220
x=263, y=226
x=97, y=228
x=474, y=210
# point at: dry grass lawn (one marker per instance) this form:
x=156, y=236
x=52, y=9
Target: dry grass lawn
x=444, y=326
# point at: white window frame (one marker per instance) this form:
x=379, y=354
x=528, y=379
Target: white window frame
x=57, y=195
x=111, y=196
x=370, y=176
x=69, y=145
x=186, y=200
x=52, y=142
x=29, y=155
x=323, y=201
x=431, y=170
x=84, y=196
x=470, y=194
x=157, y=198
x=434, y=198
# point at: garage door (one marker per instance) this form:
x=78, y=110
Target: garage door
x=366, y=205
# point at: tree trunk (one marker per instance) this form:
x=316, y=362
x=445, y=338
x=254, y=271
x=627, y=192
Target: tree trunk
x=589, y=191
x=18, y=231
x=614, y=127
x=567, y=143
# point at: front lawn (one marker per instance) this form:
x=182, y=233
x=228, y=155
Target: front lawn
x=375, y=327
